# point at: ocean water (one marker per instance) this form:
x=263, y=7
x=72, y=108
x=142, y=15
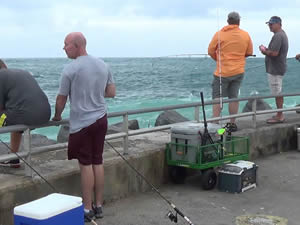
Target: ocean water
x=152, y=82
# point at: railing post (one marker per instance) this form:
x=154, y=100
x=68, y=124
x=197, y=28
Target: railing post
x=254, y=110
x=197, y=111
x=27, y=148
x=125, y=129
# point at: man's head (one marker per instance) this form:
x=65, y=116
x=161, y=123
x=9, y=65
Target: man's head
x=75, y=45
x=233, y=18
x=274, y=23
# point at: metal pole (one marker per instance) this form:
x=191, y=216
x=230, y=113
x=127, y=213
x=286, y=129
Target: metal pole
x=125, y=129
x=254, y=115
x=27, y=148
x=197, y=111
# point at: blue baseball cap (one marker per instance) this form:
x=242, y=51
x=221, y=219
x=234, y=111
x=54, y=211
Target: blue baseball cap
x=274, y=19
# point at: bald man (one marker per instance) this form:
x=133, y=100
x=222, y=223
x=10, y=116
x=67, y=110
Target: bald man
x=86, y=81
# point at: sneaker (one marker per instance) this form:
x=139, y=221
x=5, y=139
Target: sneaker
x=89, y=216
x=15, y=163
x=98, y=211
x=232, y=127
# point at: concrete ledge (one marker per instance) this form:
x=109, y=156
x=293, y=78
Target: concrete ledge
x=146, y=155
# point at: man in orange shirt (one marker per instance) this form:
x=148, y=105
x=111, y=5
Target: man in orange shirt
x=229, y=48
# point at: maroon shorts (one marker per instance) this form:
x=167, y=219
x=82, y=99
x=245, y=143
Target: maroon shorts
x=87, y=144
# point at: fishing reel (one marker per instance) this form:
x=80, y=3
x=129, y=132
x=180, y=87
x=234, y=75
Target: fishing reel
x=172, y=217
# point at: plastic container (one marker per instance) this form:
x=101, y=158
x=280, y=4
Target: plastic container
x=237, y=177
x=298, y=138
x=53, y=209
x=186, y=139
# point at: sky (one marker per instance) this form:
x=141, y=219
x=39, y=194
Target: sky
x=136, y=28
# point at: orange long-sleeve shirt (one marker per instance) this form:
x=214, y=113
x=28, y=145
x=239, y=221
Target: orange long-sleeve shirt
x=235, y=45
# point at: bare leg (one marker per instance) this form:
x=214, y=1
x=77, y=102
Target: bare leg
x=99, y=183
x=216, y=110
x=233, y=109
x=87, y=185
x=279, y=104
x=15, y=141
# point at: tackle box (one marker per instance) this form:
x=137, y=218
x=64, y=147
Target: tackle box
x=237, y=177
x=54, y=209
x=186, y=139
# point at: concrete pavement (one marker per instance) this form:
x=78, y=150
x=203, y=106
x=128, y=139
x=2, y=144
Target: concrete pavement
x=277, y=194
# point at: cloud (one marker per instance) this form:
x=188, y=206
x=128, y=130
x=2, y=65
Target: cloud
x=134, y=27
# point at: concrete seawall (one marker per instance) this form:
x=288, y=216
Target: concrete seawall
x=146, y=155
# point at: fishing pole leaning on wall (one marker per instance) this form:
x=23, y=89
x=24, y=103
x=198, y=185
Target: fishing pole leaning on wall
x=42, y=177
x=173, y=217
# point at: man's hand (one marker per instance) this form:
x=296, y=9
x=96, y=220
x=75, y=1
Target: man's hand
x=262, y=48
x=57, y=118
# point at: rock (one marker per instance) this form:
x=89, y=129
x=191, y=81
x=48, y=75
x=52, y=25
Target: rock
x=169, y=117
x=63, y=134
x=37, y=140
x=117, y=127
x=260, y=105
x=40, y=140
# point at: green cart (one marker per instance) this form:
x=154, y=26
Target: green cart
x=206, y=158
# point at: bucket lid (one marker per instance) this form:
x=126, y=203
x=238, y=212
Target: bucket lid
x=237, y=167
x=48, y=206
x=194, y=128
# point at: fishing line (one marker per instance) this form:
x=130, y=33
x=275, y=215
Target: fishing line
x=42, y=177
x=170, y=215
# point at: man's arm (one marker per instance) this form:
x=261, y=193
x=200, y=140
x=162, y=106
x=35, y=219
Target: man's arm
x=59, y=106
x=269, y=52
x=298, y=56
x=249, y=51
x=212, y=48
x=110, y=91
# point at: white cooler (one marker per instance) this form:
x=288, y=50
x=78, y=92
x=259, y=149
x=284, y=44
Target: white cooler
x=54, y=209
x=186, y=134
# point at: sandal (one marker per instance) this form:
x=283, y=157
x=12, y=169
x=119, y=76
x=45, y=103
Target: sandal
x=275, y=120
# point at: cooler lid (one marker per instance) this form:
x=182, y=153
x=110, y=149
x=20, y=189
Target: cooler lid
x=237, y=167
x=194, y=128
x=49, y=206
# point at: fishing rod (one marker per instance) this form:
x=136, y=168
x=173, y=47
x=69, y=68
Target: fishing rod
x=205, y=136
x=42, y=177
x=170, y=214
x=262, y=65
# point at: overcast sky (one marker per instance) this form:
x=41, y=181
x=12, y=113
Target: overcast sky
x=136, y=28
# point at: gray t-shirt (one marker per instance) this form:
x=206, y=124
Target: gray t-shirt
x=277, y=65
x=84, y=80
x=22, y=99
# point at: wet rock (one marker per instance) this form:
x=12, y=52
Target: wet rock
x=117, y=127
x=169, y=117
x=37, y=140
x=63, y=134
x=260, y=105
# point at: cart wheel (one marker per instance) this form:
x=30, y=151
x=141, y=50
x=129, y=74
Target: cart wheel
x=177, y=174
x=208, y=179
